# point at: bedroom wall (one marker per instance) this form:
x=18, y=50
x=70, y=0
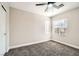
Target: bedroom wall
x=27, y=28
x=71, y=36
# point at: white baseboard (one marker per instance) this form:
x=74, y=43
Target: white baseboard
x=26, y=44
x=74, y=46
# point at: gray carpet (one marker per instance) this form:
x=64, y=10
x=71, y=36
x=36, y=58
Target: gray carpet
x=49, y=48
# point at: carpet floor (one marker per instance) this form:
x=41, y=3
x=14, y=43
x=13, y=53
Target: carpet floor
x=49, y=48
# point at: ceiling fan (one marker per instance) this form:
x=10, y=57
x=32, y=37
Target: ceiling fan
x=53, y=4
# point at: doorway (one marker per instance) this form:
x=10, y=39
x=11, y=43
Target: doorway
x=3, y=45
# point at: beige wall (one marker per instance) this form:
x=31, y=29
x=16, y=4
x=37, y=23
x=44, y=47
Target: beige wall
x=26, y=27
x=72, y=35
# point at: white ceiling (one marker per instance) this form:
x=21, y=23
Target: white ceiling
x=30, y=6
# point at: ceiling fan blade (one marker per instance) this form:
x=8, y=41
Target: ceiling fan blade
x=46, y=8
x=51, y=2
x=61, y=5
x=55, y=6
x=40, y=4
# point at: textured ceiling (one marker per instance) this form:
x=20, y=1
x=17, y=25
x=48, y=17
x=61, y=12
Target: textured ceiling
x=30, y=7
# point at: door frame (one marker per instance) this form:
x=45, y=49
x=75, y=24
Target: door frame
x=2, y=6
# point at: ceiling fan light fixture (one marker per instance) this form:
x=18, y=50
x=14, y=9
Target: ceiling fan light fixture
x=50, y=5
